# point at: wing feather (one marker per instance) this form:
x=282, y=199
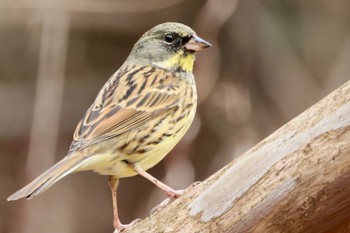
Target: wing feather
x=112, y=114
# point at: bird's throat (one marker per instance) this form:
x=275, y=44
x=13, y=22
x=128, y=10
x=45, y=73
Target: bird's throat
x=179, y=61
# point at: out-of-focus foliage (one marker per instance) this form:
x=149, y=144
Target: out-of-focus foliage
x=270, y=60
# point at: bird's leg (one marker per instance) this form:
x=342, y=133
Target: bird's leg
x=113, y=184
x=171, y=193
x=118, y=226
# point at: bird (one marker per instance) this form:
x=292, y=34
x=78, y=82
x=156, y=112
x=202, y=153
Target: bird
x=139, y=115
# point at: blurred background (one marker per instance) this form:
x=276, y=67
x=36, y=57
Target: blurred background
x=270, y=61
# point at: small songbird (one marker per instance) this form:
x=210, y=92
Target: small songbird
x=137, y=118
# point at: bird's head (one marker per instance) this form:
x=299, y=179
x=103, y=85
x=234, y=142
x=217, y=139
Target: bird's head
x=170, y=46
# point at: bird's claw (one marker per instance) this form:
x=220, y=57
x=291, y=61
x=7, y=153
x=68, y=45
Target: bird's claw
x=172, y=195
x=123, y=227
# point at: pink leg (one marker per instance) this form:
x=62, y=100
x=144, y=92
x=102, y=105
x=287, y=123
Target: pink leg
x=171, y=193
x=118, y=226
x=113, y=184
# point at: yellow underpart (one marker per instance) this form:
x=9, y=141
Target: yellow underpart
x=179, y=60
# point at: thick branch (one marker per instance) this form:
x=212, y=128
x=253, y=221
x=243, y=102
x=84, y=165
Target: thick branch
x=296, y=180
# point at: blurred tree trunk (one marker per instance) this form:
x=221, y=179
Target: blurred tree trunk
x=46, y=114
x=296, y=180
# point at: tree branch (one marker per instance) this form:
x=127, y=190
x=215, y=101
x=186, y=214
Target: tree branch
x=296, y=180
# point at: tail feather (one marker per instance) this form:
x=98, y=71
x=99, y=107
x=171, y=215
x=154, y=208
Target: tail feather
x=50, y=177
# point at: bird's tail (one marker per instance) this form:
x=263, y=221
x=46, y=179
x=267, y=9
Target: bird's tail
x=50, y=177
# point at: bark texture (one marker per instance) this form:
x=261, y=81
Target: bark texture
x=296, y=180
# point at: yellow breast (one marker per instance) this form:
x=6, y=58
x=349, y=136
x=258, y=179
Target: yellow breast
x=149, y=143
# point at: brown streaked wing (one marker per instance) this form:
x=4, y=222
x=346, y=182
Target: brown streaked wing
x=119, y=116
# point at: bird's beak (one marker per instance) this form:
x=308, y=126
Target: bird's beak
x=196, y=44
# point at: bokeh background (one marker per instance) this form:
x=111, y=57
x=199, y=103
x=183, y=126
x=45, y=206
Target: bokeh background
x=270, y=60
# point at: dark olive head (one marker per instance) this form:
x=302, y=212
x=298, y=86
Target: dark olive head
x=169, y=46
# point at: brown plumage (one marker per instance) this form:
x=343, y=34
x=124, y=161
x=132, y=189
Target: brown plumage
x=139, y=115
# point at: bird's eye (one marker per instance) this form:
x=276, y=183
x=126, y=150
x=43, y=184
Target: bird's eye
x=169, y=38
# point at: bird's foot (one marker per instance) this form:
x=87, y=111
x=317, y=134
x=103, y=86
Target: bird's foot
x=172, y=195
x=123, y=227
